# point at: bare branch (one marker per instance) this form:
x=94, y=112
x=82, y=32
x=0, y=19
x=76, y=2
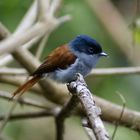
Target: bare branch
x=17, y=81
x=31, y=115
x=25, y=101
x=95, y=72
x=130, y=118
x=63, y=114
x=3, y=32
x=41, y=46
x=14, y=41
x=121, y=114
x=87, y=129
x=42, y=8
x=63, y=19
x=28, y=19
x=7, y=58
x=55, y=5
x=18, y=39
x=115, y=71
x=12, y=71
x=79, y=88
x=6, y=117
x=30, y=16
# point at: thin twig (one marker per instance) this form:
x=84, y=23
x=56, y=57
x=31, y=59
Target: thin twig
x=18, y=81
x=130, y=118
x=63, y=19
x=31, y=115
x=87, y=129
x=121, y=114
x=3, y=32
x=22, y=101
x=63, y=114
x=7, y=116
x=28, y=20
x=41, y=46
x=115, y=71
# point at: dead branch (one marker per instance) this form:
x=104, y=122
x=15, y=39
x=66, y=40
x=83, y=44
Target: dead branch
x=63, y=114
x=25, y=101
x=79, y=88
x=12, y=71
x=31, y=115
x=115, y=71
x=95, y=72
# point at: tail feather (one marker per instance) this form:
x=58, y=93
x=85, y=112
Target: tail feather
x=26, y=86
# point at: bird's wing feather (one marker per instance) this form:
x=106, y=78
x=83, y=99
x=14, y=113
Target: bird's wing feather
x=60, y=58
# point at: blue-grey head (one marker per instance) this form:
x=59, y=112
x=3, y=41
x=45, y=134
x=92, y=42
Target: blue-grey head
x=87, y=45
x=87, y=49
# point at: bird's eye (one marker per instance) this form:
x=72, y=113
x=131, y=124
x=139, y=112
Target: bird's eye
x=91, y=50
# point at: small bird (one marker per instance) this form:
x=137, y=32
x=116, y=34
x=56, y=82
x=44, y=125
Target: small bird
x=78, y=56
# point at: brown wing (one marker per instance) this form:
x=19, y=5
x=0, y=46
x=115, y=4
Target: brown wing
x=60, y=58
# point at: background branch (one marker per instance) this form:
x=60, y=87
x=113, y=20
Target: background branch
x=22, y=101
x=12, y=71
x=115, y=71
x=17, y=81
x=63, y=114
x=20, y=39
x=121, y=34
x=95, y=72
x=31, y=115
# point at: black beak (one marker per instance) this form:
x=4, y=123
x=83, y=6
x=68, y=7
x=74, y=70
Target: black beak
x=103, y=54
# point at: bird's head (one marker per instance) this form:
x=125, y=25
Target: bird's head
x=87, y=45
x=87, y=49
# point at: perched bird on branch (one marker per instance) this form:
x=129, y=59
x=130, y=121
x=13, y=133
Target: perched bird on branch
x=78, y=56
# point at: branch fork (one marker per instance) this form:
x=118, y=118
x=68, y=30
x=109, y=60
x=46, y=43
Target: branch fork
x=80, y=93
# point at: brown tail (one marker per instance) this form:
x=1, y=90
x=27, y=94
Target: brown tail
x=26, y=86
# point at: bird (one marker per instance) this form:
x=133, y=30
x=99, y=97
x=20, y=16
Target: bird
x=80, y=55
